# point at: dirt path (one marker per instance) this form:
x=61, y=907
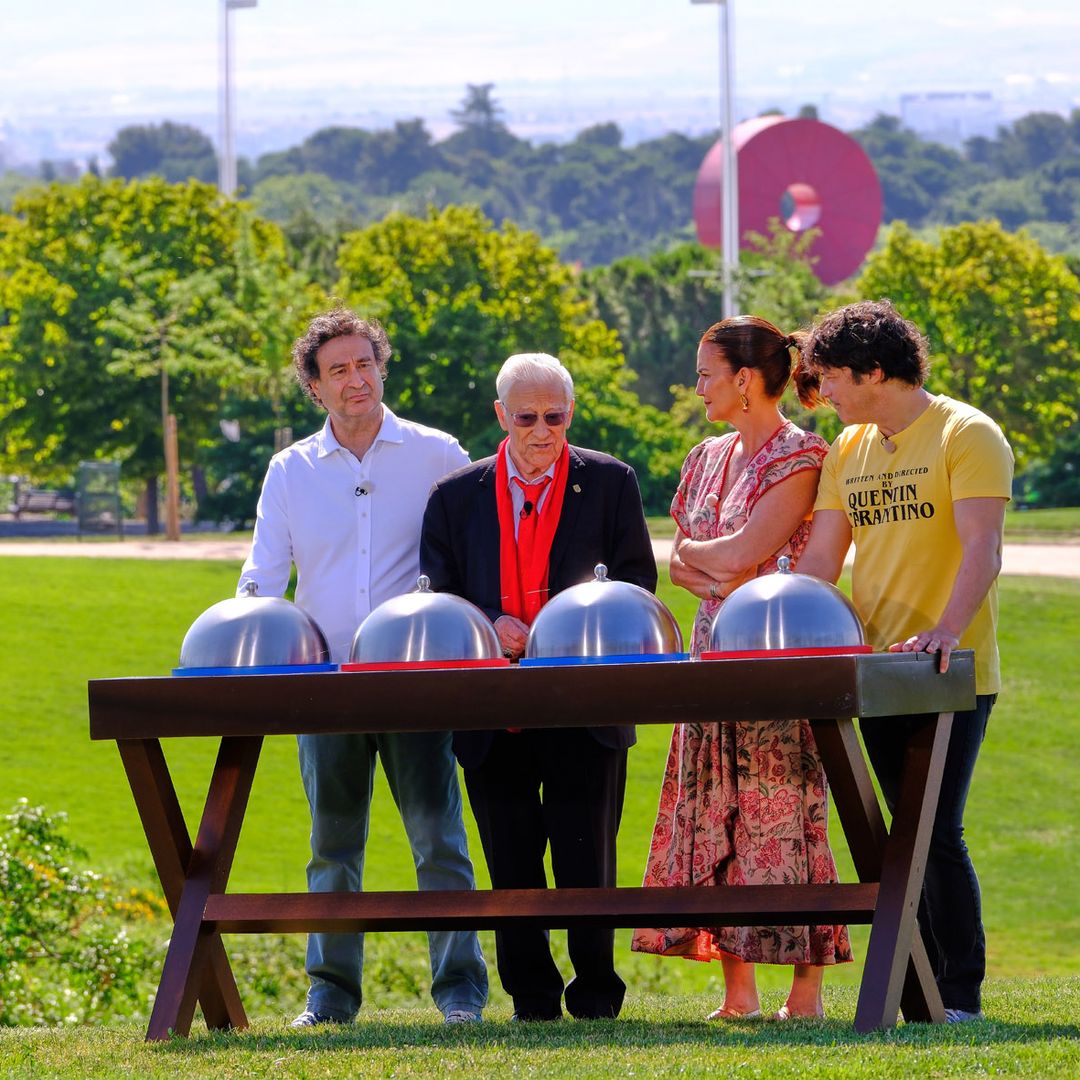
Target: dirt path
x=130, y=549
x=1044, y=560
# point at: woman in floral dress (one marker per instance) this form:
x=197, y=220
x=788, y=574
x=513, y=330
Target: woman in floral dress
x=745, y=803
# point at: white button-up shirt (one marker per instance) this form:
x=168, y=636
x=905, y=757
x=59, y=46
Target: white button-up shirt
x=352, y=527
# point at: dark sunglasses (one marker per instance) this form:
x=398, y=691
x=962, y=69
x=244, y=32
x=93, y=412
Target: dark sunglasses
x=555, y=418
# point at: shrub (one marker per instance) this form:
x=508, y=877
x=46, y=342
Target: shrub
x=65, y=952
x=77, y=947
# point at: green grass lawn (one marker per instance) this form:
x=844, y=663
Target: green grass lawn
x=65, y=621
x=1043, y=526
x=1031, y=1035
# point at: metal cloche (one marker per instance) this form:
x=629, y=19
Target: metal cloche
x=786, y=611
x=425, y=626
x=603, y=618
x=253, y=631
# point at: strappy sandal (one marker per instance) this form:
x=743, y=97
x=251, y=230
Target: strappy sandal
x=727, y=1013
x=784, y=1013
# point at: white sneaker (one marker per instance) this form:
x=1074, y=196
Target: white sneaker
x=961, y=1016
x=462, y=1016
x=309, y=1018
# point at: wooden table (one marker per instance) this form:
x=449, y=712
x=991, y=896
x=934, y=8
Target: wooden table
x=242, y=710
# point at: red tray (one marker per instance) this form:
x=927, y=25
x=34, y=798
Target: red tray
x=420, y=665
x=769, y=654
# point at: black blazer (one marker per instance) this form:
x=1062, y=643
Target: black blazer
x=602, y=521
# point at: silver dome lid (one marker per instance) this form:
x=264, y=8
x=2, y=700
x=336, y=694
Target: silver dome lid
x=424, y=626
x=786, y=611
x=253, y=631
x=603, y=618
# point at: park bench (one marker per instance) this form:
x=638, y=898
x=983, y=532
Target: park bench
x=32, y=500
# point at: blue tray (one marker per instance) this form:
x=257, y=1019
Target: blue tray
x=258, y=669
x=578, y=661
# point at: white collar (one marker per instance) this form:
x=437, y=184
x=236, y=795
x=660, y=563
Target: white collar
x=512, y=471
x=389, y=431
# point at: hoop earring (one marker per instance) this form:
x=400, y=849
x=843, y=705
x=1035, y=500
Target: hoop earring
x=745, y=402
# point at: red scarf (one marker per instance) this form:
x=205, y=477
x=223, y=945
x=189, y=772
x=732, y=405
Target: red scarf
x=523, y=576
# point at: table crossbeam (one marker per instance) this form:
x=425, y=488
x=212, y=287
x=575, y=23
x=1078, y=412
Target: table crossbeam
x=774, y=905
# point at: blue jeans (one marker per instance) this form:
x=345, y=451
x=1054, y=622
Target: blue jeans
x=338, y=772
x=950, y=909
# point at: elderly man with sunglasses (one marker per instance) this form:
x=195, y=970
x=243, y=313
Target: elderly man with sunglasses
x=507, y=533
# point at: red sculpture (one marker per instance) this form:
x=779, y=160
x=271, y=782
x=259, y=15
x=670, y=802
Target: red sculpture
x=808, y=174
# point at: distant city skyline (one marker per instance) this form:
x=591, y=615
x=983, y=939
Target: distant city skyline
x=69, y=80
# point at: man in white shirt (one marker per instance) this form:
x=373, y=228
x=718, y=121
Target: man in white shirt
x=345, y=505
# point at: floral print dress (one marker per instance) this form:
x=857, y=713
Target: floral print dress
x=742, y=803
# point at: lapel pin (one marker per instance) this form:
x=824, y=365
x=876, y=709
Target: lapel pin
x=577, y=488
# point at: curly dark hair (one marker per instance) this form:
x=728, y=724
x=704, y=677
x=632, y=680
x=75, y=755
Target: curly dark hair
x=338, y=322
x=867, y=335
x=747, y=341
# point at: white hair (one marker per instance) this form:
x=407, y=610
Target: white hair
x=533, y=367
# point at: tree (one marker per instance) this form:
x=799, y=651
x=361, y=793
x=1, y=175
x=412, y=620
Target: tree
x=168, y=328
x=479, y=109
x=286, y=198
x=360, y=163
x=398, y=156
x=592, y=198
x=78, y=263
x=11, y=183
x=913, y=173
x=1003, y=319
x=659, y=311
x=264, y=408
x=1056, y=481
x=1032, y=141
x=661, y=306
x=175, y=152
x=600, y=135
x=480, y=124
x=335, y=151
x=458, y=296
x=1012, y=202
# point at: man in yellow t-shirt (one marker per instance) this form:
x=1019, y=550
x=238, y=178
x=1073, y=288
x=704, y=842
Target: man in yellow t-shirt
x=919, y=483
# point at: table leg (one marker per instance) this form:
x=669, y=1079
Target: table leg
x=196, y=965
x=864, y=828
x=170, y=846
x=893, y=940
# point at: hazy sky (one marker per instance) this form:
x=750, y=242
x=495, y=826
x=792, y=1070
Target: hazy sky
x=129, y=55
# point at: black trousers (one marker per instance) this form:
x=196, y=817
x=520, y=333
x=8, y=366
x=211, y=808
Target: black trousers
x=559, y=787
x=950, y=909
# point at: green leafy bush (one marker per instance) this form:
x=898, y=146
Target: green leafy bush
x=76, y=947
x=65, y=952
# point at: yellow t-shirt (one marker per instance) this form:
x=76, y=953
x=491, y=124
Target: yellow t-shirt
x=900, y=506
